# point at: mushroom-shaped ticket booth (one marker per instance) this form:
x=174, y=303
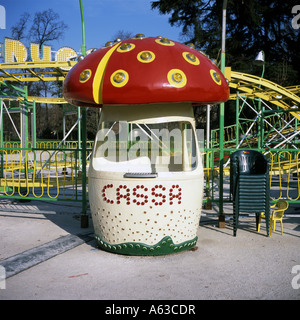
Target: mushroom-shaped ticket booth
x=145, y=179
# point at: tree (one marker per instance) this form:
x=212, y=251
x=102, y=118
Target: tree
x=252, y=25
x=45, y=28
x=185, y=13
x=18, y=31
x=121, y=34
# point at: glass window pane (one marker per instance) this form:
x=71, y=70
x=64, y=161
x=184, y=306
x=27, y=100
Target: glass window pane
x=149, y=147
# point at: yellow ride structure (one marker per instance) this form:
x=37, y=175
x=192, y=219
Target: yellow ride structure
x=51, y=171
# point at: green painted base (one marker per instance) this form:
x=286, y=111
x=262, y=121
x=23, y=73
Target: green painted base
x=164, y=246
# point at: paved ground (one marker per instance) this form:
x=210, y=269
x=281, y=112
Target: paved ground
x=47, y=255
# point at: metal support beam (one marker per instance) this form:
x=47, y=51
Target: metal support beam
x=278, y=132
x=222, y=115
x=33, y=125
x=84, y=216
x=23, y=128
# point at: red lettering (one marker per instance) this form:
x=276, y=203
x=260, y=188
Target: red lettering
x=140, y=194
x=104, y=196
x=141, y=197
x=160, y=197
x=121, y=194
x=173, y=195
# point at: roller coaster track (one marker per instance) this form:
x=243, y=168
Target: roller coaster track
x=256, y=87
x=251, y=86
x=247, y=85
x=33, y=71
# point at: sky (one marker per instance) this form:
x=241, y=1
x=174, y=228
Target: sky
x=103, y=20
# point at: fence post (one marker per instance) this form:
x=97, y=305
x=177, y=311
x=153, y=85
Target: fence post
x=84, y=216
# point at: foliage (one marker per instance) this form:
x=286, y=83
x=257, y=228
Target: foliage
x=42, y=28
x=252, y=25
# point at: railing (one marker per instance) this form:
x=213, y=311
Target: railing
x=284, y=172
x=40, y=174
x=283, y=167
x=47, y=144
x=55, y=174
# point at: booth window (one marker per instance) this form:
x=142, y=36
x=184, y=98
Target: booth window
x=145, y=147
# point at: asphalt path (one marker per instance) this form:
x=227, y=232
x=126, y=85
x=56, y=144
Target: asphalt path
x=46, y=255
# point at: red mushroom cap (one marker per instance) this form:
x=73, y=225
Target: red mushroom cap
x=144, y=70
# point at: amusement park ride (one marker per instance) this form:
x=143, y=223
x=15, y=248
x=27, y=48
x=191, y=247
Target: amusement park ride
x=143, y=84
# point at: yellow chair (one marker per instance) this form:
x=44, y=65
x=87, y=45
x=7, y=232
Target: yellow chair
x=276, y=215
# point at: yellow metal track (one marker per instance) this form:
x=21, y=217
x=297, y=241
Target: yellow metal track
x=249, y=85
x=246, y=84
x=32, y=71
x=256, y=87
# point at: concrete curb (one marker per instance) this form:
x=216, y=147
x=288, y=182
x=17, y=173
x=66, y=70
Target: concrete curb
x=34, y=256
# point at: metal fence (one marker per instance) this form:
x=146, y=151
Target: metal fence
x=48, y=173
x=44, y=174
x=284, y=174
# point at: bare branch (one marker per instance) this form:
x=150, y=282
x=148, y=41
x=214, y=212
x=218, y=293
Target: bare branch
x=18, y=30
x=47, y=27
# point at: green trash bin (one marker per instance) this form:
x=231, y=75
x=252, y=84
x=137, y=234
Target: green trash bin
x=249, y=185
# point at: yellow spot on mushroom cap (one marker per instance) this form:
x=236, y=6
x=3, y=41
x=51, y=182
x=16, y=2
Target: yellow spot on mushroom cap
x=146, y=56
x=119, y=78
x=85, y=75
x=126, y=47
x=164, y=42
x=216, y=77
x=191, y=58
x=177, y=78
x=139, y=36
